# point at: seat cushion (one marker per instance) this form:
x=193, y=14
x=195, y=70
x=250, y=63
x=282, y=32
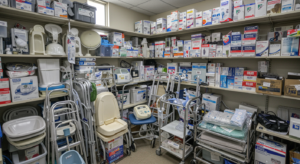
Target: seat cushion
x=112, y=128
x=134, y=121
x=109, y=138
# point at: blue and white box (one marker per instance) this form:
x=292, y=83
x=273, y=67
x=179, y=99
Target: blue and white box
x=287, y=5
x=186, y=48
x=249, y=39
x=275, y=50
x=226, y=45
x=251, y=29
x=169, y=23
x=238, y=82
x=239, y=71
x=185, y=69
x=114, y=149
x=262, y=48
x=216, y=15
x=199, y=69
x=236, y=39
x=236, y=51
x=86, y=59
x=212, y=101
x=207, y=17
x=290, y=46
x=24, y=88
x=223, y=81
x=249, y=51
x=85, y=63
x=230, y=82
x=294, y=127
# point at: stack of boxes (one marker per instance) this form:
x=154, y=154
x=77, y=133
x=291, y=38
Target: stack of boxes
x=84, y=67
x=143, y=26
x=227, y=77
x=196, y=43
x=161, y=25
x=238, y=78
x=249, y=41
x=182, y=21
x=236, y=45
x=4, y=87
x=191, y=18
x=199, y=19
x=212, y=73
x=249, y=82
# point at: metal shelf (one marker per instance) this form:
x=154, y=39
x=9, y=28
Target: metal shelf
x=170, y=128
x=262, y=129
x=133, y=105
x=32, y=100
x=13, y=13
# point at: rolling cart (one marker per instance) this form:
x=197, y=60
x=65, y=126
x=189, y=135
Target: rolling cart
x=177, y=129
x=203, y=147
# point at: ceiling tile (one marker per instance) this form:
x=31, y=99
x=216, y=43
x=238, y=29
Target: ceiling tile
x=143, y=11
x=156, y=6
x=181, y=3
x=117, y=2
x=134, y=2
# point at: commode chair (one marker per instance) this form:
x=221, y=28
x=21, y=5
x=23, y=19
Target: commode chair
x=37, y=44
x=109, y=125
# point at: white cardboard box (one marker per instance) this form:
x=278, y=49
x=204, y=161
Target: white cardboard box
x=275, y=50
x=24, y=88
x=239, y=13
x=159, y=49
x=153, y=28
x=294, y=127
x=262, y=48
x=250, y=10
x=212, y=101
x=227, y=10
x=216, y=15
x=60, y=9
x=149, y=72
x=187, y=47
x=287, y=6
x=175, y=20
x=273, y=6
x=161, y=25
x=182, y=21
x=4, y=91
x=207, y=17
x=199, y=18
x=260, y=8
x=191, y=18
x=268, y=150
x=169, y=23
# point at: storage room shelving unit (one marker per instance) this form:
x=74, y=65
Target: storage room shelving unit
x=280, y=65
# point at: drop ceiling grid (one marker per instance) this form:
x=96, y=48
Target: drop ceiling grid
x=153, y=7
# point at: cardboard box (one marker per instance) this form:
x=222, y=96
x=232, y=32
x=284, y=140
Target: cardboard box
x=4, y=91
x=159, y=49
x=292, y=87
x=293, y=154
x=199, y=18
x=43, y=8
x=260, y=8
x=287, y=6
x=172, y=68
x=191, y=18
x=216, y=15
x=239, y=13
x=126, y=97
x=217, y=76
x=175, y=20
x=60, y=9
x=212, y=101
x=294, y=127
x=205, y=50
x=268, y=150
x=249, y=39
x=290, y=46
x=196, y=42
x=238, y=3
x=236, y=39
x=149, y=72
x=219, y=51
x=161, y=25
x=275, y=36
x=199, y=69
x=273, y=6
x=114, y=149
x=182, y=21
x=250, y=10
x=153, y=28
x=249, y=86
x=207, y=17
x=187, y=47
x=230, y=82
x=275, y=50
x=236, y=51
x=248, y=51
x=32, y=152
x=185, y=68
x=262, y=48
x=250, y=76
x=24, y=88
x=267, y=86
x=297, y=5
x=226, y=45
x=169, y=23
x=226, y=10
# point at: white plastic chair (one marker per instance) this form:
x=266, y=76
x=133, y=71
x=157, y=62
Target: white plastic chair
x=37, y=44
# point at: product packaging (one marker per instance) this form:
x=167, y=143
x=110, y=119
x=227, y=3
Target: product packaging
x=216, y=36
x=219, y=51
x=4, y=91
x=172, y=68
x=273, y=6
x=142, y=26
x=212, y=50
x=223, y=81
x=153, y=28
x=199, y=18
x=24, y=88
x=60, y=9
x=185, y=68
x=169, y=23
x=250, y=76
x=238, y=3
x=32, y=152
x=268, y=150
x=275, y=36
x=114, y=149
x=226, y=45
x=191, y=18
x=268, y=86
x=197, y=41
x=205, y=50
x=182, y=21
x=262, y=48
x=175, y=20
x=297, y=5
x=212, y=101
x=248, y=51
x=239, y=13
x=249, y=39
x=230, y=82
x=43, y=7
x=236, y=39
x=263, y=66
x=149, y=72
x=159, y=49
x=180, y=46
x=291, y=87
x=161, y=25
x=116, y=38
x=216, y=15
x=250, y=10
x=249, y=86
x=199, y=69
x=168, y=53
x=251, y=29
x=217, y=76
x=260, y=8
x=239, y=71
x=287, y=6
x=290, y=46
x=207, y=17
x=187, y=47
x=275, y=50
x=226, y=10
x=84, y=63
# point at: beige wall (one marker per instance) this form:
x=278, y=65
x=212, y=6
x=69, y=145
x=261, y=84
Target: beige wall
x=123, y=18
x=201, y=6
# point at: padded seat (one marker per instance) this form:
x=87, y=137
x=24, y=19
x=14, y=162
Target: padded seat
x=109, y=138
x=134, y=121
x=107, y=113
x=110, y=129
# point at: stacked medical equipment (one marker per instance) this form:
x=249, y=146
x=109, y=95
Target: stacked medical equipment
x=226, y=135
x=177, y=131
x=27, y=136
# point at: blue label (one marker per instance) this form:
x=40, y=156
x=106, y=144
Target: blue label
x=250, y=4
x=236, y=37
x=248, y=48
x=296, y=127
x=251, y=35
x=209, y=100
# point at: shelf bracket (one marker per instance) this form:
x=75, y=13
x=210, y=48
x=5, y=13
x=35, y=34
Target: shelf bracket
x=267, y=104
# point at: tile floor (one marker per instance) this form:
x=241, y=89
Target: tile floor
x=145, y=154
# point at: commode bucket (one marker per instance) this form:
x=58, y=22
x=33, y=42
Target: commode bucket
x=49, y=72
x=71, y=157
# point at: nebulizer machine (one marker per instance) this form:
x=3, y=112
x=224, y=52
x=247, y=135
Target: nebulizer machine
x=142, y=112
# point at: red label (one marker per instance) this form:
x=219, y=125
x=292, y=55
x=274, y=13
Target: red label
x=4, y=79
x=289, y=32
x=249, y=84
x=5, y=102
x=205, y=45
x=4, y=90
x=250, y=16
x=250, y=73
x=248, y=50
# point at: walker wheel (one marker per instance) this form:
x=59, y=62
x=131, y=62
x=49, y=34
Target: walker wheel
x=158, y=152
x=193, y=161
x=128, y=152
x=153, y=143
x=133, y=147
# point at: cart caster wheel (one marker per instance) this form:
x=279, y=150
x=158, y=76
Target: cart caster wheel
x=193, y=161
x=133, y=147
x=103, y=162
x=153, y=143
x=158, y=152
x=128, y=152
